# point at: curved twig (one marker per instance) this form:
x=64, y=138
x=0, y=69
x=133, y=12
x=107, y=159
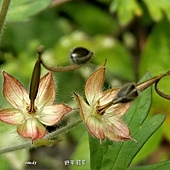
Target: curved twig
x=61, y=69
x=79, y=56
x=142, y=86
x=165, y=96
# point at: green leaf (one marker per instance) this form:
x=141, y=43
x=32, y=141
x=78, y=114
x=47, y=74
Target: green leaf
x=119, y=155
x=159, y=166
x=21, y=10
x=89, y=18
x=150, y=146
x=96, y=152
x=126, y=10
x=158, y=9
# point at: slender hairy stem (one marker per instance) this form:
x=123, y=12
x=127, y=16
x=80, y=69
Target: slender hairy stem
x=3, y=13
x=48, y=136
x=64, y=129
x=16, y=147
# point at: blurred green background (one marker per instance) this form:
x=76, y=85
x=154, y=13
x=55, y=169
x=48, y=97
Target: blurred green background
x=132, y=35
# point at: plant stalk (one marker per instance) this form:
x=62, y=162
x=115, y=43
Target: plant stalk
x=3, y=13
